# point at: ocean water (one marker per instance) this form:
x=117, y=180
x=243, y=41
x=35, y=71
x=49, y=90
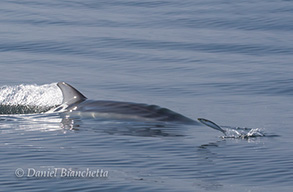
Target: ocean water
x=227, y=61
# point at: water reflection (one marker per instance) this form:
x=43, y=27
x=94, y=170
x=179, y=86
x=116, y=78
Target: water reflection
x=59, y=122
x=30, y=122
x=115, y=127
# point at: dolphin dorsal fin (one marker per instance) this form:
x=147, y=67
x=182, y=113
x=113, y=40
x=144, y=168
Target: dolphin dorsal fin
x=70, y=94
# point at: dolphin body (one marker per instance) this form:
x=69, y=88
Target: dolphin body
x=76, y=104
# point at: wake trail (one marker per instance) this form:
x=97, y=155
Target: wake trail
x=24, y=99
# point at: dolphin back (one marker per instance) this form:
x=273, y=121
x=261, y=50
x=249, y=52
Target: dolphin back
x=73, y=100
x=129, y=110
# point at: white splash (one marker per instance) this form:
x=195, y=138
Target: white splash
x=243, y=133
x=33, y=95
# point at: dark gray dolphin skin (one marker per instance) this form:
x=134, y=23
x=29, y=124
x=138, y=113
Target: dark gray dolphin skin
x=75, y=103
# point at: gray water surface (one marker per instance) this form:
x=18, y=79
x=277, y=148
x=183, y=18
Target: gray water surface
x=230, y=62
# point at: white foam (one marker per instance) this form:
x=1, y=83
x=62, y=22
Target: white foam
x=35, y=95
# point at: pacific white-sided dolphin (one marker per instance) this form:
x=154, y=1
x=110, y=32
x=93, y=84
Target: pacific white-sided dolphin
x=75, y=103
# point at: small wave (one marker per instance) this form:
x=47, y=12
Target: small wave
x=24, y=99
